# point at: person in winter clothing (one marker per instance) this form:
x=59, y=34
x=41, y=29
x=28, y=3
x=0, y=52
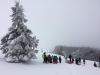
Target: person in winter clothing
x=46, y=59
x=84, y=61
x=79, y=60
x=43, y=57
x=50, y=59
x=95, y=65
x=54, y=59
x=76, y=60
x=72, y=60
x=70, y=57
x=60, y=59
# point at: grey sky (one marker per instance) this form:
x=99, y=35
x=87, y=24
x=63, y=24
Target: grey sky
x=58, y=22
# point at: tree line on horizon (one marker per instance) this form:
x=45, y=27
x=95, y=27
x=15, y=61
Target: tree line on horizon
x=88, y=53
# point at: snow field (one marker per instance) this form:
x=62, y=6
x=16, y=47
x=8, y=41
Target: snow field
x=36, y=67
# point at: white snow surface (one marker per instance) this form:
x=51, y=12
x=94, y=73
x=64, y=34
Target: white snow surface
x=36, y=67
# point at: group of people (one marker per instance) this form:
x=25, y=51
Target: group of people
x=73, y=60
x=68, y=59
x=95, y=65
x=78, y=61
x=51, y=59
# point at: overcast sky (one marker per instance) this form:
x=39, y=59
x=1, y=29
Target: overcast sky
x=58, y=22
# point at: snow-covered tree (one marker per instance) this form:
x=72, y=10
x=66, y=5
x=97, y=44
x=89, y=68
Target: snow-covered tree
x=18, y=44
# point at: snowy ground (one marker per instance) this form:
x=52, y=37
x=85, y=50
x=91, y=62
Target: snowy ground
x=36, y=67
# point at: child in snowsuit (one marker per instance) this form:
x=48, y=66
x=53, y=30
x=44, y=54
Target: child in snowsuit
x=60, y=59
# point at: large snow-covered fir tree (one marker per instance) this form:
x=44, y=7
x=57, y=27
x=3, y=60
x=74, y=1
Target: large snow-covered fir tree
x=18, y=44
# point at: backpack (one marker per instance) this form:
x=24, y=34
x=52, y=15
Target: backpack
x=54, y=57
